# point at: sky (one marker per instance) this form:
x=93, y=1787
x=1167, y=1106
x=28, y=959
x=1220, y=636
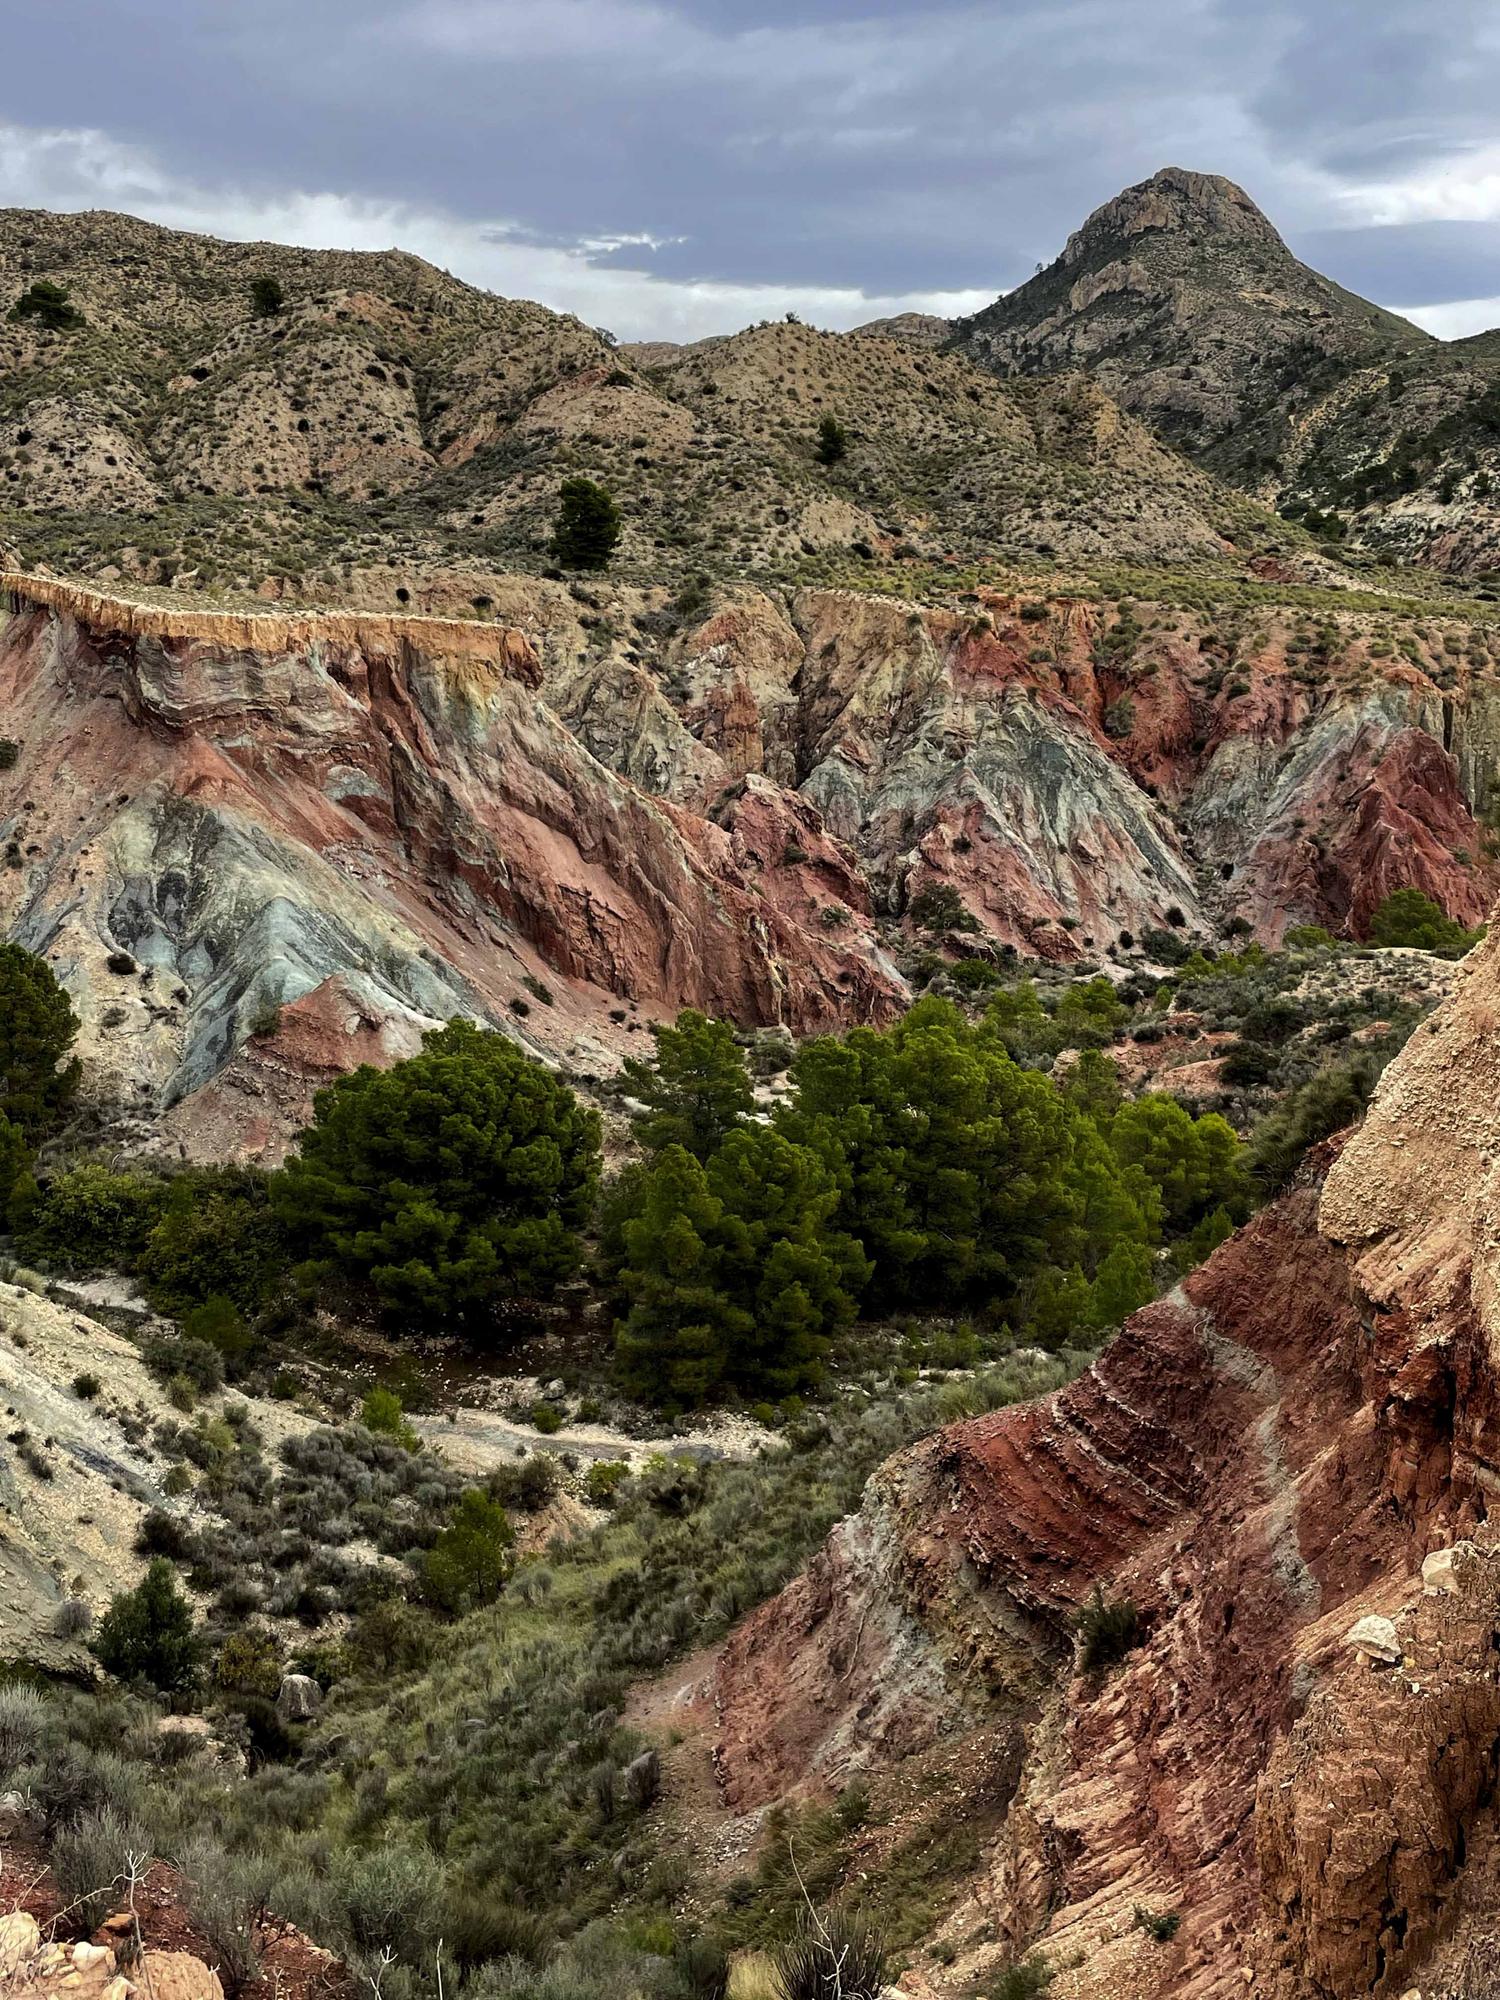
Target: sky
x=671, y=168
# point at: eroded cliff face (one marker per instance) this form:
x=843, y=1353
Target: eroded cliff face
x=370, y=825
x=1075, y=771
x=1257, y=1461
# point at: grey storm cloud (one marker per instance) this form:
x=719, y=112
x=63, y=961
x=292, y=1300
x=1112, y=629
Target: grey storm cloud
x=895, y=148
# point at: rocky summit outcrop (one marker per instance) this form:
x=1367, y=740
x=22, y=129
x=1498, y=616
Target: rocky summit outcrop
x=260, y=848
x=1286, y=1467
x=1182, y=302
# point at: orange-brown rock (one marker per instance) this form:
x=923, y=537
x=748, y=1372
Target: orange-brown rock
x=1257, y=1462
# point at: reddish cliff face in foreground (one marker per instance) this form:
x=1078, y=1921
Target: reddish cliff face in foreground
x=1257, y=1462
x=372, y=824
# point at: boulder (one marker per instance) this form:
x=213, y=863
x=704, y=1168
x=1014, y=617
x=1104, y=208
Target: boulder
x=1438, y=1578
x=12, y=1812
x=20, y=1940
x=299, y=1698
x=1376, y=1639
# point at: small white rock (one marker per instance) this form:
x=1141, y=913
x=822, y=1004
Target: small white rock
x=1376, y=1638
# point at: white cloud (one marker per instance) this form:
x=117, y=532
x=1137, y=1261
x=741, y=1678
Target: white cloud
x=1461, y=187
x=65, y=169
x=1456, y=320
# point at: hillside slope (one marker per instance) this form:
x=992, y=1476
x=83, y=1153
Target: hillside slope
x=386, y=416
x=1297, y=1439
x=1182, y=302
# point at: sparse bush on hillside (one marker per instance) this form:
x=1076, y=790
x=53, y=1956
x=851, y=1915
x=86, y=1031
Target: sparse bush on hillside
x=835, y=1956
x=1108, y=1629
x=267, y=297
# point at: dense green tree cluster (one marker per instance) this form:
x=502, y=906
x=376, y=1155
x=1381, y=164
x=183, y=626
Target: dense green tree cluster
x=454, y=1179
x=1411, y=919
x=919, y=1166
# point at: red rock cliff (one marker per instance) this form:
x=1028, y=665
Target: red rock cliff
x=1258, y=1461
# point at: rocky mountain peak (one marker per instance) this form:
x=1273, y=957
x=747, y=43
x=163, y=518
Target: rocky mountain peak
x=1175, y=201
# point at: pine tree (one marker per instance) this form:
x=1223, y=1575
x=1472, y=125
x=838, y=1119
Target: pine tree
x=696, y=1092
x=833, y=440
x=587, y=526
x=673, y=1346
x=37, y=1028
x=148, y=1633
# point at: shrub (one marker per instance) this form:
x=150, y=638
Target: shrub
x=267, y=297
x=88, y=1856
x=587, y=528
x=86, y=1385
x=72, y=1620
x=939, y=907
x=835, y=1956
x=10, y=753
x=1162, y=1925
x=23, y=1716
x=148, y=1633
x=227, y=1897
x=546, y=1418
x=1107, y=1630
x=1021, y=1982
x=381, y=1412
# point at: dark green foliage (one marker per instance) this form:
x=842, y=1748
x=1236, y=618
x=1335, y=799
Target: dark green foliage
x=696, y=1091
x=15, y=1160
x=1108, y=1629
x=1411, y=919
x=1323, y=1105
x=834, y=1956
x=939, y=907
x=1021, y=1982
x=1162, y=1925
x=449, y=1182
x=218, y=1236
x=951, y=1160
x=734, y=1276
x=587, y=527
x=91, y=1219
x=148, y=1633
x=833, y=440
x=267, y=297
x=37, y=1027
x=1193, y=1163
x=218, y=1323
x=10, y=753
x=468, y=1563
x=49, y=305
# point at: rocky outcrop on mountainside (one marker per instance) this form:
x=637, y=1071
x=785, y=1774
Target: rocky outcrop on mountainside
x=260, y=848
x=1297, y=1440
x=1181, y=299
